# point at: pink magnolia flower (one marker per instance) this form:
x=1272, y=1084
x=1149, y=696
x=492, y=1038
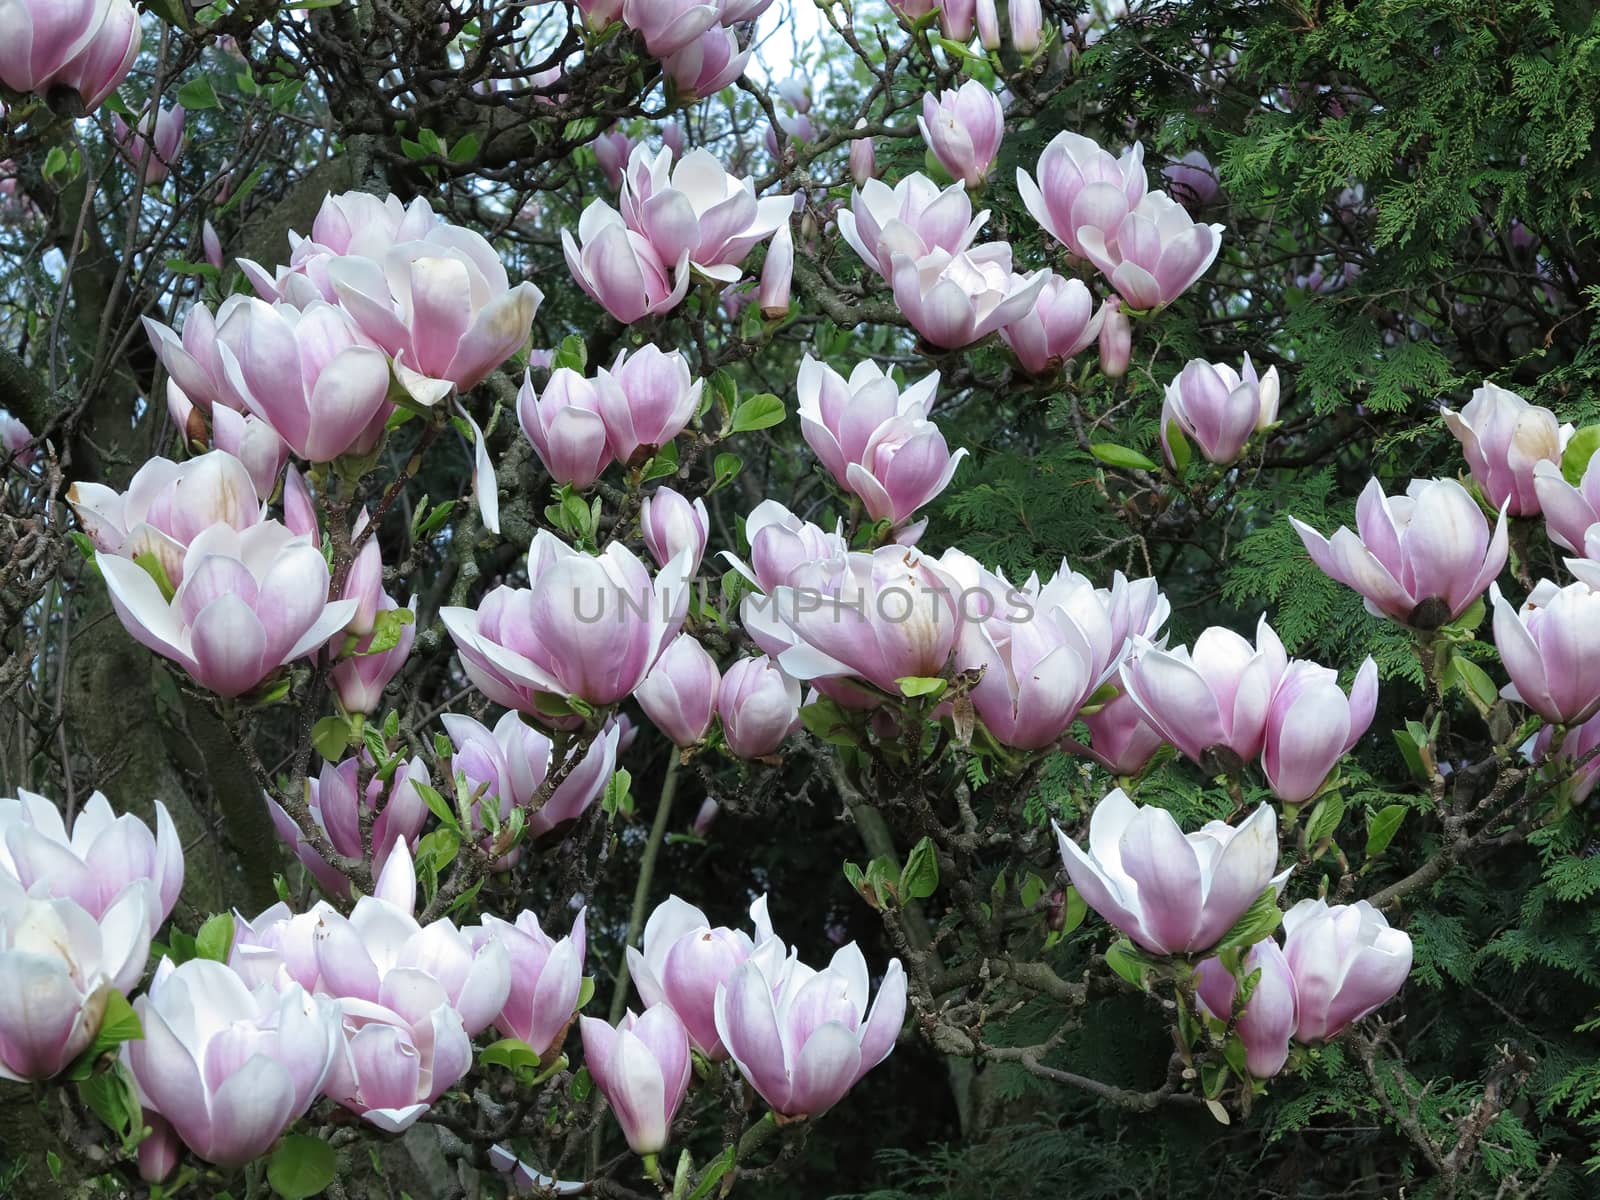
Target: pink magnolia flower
x=1504, y=439
x=277, y=1047
x=509, y=766
x=619, y=269
x=803, y=1038
x=1120, y=738
x=642, y=1068
x=1218, y=408
x=963, y=128
x=777, y=274
x=194, y=361
x=669, y=25
x=863, y=159
x=348, y=223
x=58, y=964
x=1549, y=649
x=875, y=440
x=705, y=66
x=759, y=705
x=670, y=524
x=359, y=680
x=168, y=505
x=1312, y=724
x=249, y=602
x=1346, y=963
x=646, y=398
x=1153, y=255
x=1116, y=340
x=546, y=978
x=680, y=693
x=1269, y=1017
x=696, y=206
x=1568, y=511
x=611, y=150
x=1193, y=180
x=1213, y=703
x=682, y=962
x=98, y=861
x=340, y=807
x=1062, y=323
x=913, y=218
x=244, y=435
x=155, y=154
x=86, y=45
x=782, y=545
x=1171, y=892
x=1422, y=558
x=1081, y=186
x=311, y=374
x=565, y=426
x=955, y=300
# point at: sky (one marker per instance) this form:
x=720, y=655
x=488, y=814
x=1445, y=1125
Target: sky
x=781, y=31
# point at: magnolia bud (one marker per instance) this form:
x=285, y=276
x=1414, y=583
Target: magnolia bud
x=1116, y=340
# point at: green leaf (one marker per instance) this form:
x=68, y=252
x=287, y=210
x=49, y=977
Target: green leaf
x=170, y=11
x=758, y=412
x=118, y=1024
x=331, y=737
x=920, y=878
x=1122, y=958
x=585, y=992
x=1120, y=456
x=514, y=1054
x=251, y=180
x=437, y=805
x=573, y=353
x=920, y=685
x=301, y=1167
x=466, y=149
x=1259, y=922
x=110, y=1096
x=1475, y=682
x=198, y=95
x=827, y=722
x=617, y=797
x=1580, y=449
x=664, y=464
x=215, y=939
x=715, y=1170
x=1077, y=909
x=387, y=628
x=1385, y=823
x=1178, y=444
x=1325, y=818
x=724, y=471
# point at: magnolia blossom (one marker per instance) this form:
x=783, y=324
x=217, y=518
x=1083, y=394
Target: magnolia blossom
x=671, y=523
x=875, y=440
x=1422, y=558
x=546, y=978
x=1120, y=738
x=86, y=45
x=963, y=128
x=803, y=1038
x=310, y=373
x=1081, y=186
x=511, y=763
x=410, y=996
x=683, y=961
x=565, y=427
x=155, y=152
x=619, y=269
x=193, y=360
x=1346, y=963
x=589, y=626
x=696, y=207
x=954, y=300
x=227, y=1068
x=1218, y=408
x=14, y=438
x=669, y=25
x=781, y=545
x=1211, y=703
x=706, y=65
x=340, y=807
x=646, y=399
x=360, y=679
x=249, y=602
x=914, y=218
x=1171, y=892
x=1044, y=647
x=1268, y=1020
x=680, y=693
x=347, y=223
x=759, y=706
x=642, y=1068
x=863, y=159
x=1153, y=255
x=777, y=274
x=880, y=617
x=443, y=307
x=1193, y=179
x=1578, y=746
x=99, y=861
x=166, y=507
x=1550, y=651
x=1063, y=322
x=1312, y=724
x=1504, y=438
x=58, y=966
x=1116, y=340
x=1568, y=511
x=611, y=150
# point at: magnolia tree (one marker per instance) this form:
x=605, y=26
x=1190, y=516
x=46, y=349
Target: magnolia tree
x=619, y=563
